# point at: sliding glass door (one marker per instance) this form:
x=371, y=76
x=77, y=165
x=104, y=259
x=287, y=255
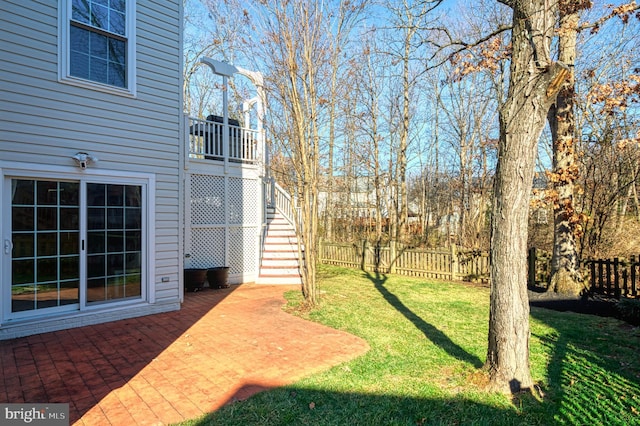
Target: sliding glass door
x=74, y=244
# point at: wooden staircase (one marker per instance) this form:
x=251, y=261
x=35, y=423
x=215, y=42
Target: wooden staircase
x=279, y=263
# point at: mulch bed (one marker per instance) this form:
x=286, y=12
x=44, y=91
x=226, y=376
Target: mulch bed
x=588, y=304
x=592, y=304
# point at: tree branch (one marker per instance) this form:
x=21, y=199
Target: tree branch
x=623, y=11
x=462, y=45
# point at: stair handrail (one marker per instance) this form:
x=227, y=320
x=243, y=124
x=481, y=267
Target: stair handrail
x=282, y=201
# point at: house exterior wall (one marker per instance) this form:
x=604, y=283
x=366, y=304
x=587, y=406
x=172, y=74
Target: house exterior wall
x=44, y=122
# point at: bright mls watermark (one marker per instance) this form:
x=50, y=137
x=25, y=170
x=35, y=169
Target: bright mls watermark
x=34, y=414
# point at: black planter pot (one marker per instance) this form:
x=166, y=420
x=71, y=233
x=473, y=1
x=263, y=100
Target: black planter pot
x=194, y=279
x=217, y=277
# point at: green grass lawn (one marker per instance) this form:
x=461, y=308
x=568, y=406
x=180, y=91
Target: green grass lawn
x=428, y=344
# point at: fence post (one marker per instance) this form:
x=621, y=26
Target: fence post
x=634, y=263
x=363, y=259
x=601, y=281
x=454, y=263
x=616, y=278
x=392, y=256
x=532, y=267
x=625, y=278
x=607, y=266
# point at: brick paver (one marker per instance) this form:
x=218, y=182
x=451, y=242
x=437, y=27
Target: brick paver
x=222, y=346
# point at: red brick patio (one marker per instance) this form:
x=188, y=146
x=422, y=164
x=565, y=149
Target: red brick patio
x=222, y=346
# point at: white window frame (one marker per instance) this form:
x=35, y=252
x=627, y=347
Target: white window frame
x=61, y=173
x=64, y=57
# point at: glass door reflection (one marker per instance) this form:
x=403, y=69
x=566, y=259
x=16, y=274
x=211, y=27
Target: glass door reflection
x=45, y=228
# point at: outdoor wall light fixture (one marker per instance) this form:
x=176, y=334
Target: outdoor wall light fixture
x=83, y=159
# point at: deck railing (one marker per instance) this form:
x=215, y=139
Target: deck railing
x=207, y=141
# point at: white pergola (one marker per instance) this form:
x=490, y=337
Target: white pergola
x=259, y=101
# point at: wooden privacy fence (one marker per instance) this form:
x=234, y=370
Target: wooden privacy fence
x=610, y=277
x=452, y=264
x=614, y=277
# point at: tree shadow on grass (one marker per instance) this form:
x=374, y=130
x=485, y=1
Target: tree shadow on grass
x=591, y=380
x=298, y=405
x=432, y=333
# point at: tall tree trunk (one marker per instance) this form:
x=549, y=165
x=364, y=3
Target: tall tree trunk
x=328, y=207
x=482, y=203
x=392, y=202
x=636, y=201
x=377, y=181
x=565, y=272
x=533, y=86
x=404, y=139
x=434, y=204
x=463, y=201
x=333, y=90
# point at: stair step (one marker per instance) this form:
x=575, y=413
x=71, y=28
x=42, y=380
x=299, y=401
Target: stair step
x=276, y=232
x=280, y=254
x=278, y=271
x=280, y=225
x=281, y=240
x=279, y=280
x=281, y=230
x=285, y=243
x=283, y=227
x=283, y=262
x=279, y=263
x=289, y=238
x=278, y=218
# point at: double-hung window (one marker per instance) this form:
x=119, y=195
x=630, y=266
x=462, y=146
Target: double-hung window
x=97, y=44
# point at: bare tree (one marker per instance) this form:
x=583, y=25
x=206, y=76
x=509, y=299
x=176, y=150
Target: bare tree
x=468, y=107
x=409, y=20
x=371, y=116
x=213, y=31
x=296, y=48
x=339, y=82
x=609, y=162
x=611, y=173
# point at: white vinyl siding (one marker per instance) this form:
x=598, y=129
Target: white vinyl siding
x=46, y=122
